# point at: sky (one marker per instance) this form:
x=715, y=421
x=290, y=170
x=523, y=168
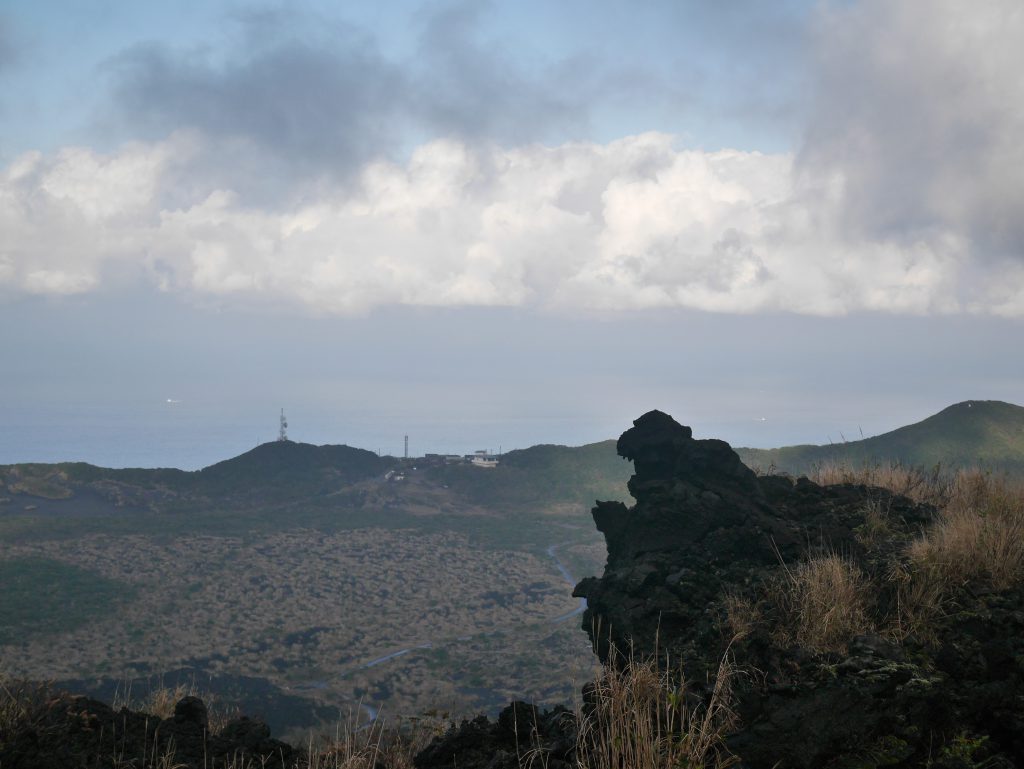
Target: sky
x=490, y=225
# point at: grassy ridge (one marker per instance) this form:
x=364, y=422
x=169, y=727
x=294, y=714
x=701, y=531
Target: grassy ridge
x=986, y=434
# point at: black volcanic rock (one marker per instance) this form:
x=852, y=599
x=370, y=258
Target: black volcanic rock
x=519, y=732
x=705, y=529
x=701, y=520
x=71, y=732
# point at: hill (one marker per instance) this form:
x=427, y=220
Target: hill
x=985, y=434
x=301, y=581
x=544, y=478
x=277, y=471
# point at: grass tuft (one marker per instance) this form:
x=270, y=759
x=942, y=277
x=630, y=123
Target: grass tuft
x=977, y=537
x=933, y=486
x=823, y=601
x=979, y=534
x=639, y=715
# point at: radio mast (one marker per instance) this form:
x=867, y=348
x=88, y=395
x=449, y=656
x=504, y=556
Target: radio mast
x=282, y=434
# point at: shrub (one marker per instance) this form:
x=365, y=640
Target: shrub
x=742, y=615
x=823, y=602
x=933, y=486
x=979, y=534
x=638, y=715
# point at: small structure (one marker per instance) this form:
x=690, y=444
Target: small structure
x=483, y=458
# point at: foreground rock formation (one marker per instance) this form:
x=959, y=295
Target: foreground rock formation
x=709, y=564
x=66, y=731
x=706, y=535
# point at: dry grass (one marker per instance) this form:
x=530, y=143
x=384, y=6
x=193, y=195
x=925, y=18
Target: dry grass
x=933, y=486
x=877, y=526
x=977, y=536
x=160, y=702
x=638, y=716
x=377, y=746
x=823, y=601
x=18, y=700
x=742, y=615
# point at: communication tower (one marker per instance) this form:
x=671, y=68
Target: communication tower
x=407, y=447
x=282, y=434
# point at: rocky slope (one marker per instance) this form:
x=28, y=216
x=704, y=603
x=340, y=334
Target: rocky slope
x=65, y=731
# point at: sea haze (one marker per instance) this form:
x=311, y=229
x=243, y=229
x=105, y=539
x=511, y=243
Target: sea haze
x=164, y=383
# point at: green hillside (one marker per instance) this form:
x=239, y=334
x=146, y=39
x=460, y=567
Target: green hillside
x=540, y=479
x=986, y=434
x=544, y=477
x=277, y=471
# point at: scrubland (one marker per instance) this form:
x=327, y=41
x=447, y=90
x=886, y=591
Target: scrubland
x=310, y=612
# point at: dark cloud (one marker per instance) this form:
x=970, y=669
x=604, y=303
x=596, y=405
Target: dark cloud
x=328, y=100
x=313, y=95
x=318, y=106
x=919, y=109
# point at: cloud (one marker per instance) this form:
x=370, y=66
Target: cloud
x=471, y=87
x=917, y=115
x=319, y=98
x=632, y=224
x=904, y=197
x=320, y=107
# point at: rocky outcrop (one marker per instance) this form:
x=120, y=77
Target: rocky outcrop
x=706, y=531
x=70, y=732
x=521, y=736
x=703, y=526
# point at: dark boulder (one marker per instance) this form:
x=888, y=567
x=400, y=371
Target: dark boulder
x=72, y=732
x=521, y=736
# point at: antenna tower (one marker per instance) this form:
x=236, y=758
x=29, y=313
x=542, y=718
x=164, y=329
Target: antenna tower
x=282, y=434
x=407, y=447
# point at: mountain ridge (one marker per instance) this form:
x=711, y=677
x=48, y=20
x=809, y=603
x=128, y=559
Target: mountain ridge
x=975, y=433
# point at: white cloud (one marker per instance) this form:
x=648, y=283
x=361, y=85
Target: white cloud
x=635, y=223
x=906, y=196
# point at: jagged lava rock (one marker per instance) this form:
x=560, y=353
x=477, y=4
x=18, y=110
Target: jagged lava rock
x=701, y=519
x=705, y=528
x=71, y=732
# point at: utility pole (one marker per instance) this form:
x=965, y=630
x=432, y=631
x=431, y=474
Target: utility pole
x=282, y=434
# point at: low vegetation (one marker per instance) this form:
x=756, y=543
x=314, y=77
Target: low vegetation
x=303, y=611
x=987, y=434
x=42, y=596
x=639, y=715
x=823, y=601
x=976, y=538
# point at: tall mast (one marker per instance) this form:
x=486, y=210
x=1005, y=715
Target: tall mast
x=282, y=434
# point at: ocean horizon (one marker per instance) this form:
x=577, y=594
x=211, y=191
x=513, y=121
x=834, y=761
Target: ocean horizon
x=192, y=435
